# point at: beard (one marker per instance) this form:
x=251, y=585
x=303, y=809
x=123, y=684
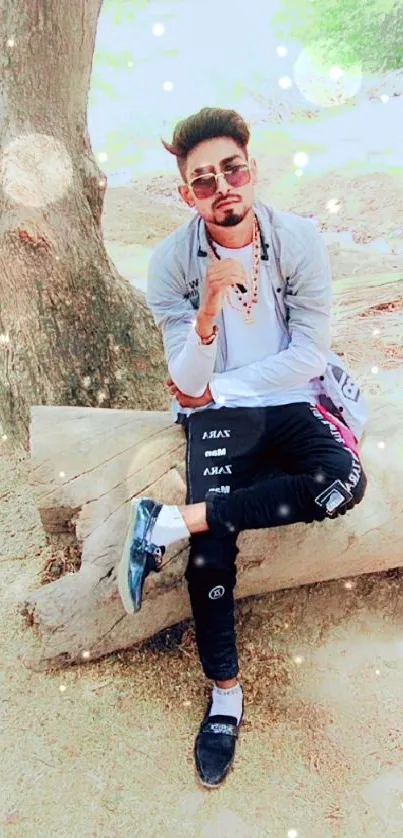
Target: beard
x=231, y=217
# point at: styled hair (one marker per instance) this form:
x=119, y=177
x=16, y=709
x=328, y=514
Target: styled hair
x=207, y=124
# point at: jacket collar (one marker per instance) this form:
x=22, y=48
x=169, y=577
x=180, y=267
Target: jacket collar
x=202, y=243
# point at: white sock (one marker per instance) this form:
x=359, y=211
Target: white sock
x=227, y=702
x=169, y=527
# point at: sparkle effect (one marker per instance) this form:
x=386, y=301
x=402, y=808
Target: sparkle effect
x=285, y=82
x=333, y=205
x=301, y=159
x=336, y=73
x=199, y=561
x=158, y=29
x=230, y=527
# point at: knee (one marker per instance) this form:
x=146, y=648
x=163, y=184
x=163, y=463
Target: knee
x=354, y=484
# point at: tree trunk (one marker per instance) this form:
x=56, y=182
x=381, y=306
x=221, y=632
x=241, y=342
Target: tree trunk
x=72, y=331
x=87, y=464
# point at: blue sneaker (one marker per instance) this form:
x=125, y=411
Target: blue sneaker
x=140, y=556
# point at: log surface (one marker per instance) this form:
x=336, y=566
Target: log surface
x=87, y=463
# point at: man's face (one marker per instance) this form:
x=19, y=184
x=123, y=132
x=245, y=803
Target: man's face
x=231, y=202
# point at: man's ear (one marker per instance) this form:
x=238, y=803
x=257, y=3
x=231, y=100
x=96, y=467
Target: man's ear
x=186, y=195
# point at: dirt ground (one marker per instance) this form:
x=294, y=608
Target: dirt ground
x=104, y=750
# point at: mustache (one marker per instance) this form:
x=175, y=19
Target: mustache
x=226, y=200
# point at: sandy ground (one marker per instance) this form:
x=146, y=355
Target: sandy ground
x=105, y=750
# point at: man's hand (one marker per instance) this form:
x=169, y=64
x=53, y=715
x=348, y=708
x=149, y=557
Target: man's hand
x=220, y=276
x=189, y=401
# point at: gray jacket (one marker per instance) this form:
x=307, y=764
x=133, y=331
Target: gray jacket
x=297, y=263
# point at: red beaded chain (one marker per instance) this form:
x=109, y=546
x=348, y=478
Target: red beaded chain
x=251, y=300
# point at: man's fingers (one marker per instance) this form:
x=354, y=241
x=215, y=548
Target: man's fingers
x=173, y=389
x=224, y=272
x=171, y=386
x=224, y=280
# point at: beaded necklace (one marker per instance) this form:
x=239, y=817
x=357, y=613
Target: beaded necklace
x=246, y=302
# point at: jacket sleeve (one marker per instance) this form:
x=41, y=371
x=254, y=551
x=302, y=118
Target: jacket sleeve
x=309, y=303
x=190, y=364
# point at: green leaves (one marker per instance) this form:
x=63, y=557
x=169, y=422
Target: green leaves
x=347, y=32
x=124, y=11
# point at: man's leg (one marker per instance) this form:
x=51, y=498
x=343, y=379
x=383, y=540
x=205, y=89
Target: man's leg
x=225, y=450
x=211, y=578
x=214, y=447
x=323, y=479
x=211, y=569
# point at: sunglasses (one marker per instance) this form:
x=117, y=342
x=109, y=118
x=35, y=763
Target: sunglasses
x=205, y=186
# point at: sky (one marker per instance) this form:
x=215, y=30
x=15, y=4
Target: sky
x=178, y=57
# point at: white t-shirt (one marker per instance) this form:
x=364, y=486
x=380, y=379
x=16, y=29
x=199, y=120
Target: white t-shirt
x=267, y=335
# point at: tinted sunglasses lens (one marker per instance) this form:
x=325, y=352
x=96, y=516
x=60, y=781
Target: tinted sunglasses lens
x=238, y=177
x=204, y=187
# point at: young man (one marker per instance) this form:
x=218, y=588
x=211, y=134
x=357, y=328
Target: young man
x=242, y=294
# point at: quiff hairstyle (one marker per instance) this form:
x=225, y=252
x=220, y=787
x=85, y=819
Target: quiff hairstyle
x=207, y=124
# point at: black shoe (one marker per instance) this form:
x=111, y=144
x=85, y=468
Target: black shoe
x=215, y=748
x=140, y=556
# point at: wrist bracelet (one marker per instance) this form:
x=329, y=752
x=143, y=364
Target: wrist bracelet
x=211, y=338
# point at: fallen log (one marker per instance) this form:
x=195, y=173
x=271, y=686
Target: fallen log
x=86, y=465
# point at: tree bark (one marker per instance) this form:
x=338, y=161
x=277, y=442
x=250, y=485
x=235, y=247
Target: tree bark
x=72, y=331
x=87, y=464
